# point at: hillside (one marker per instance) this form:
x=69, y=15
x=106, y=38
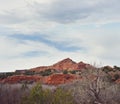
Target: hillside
x=64, y=71
x=65, y=81
x=65, y=64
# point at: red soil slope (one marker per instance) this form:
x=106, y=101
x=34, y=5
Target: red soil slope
x=21, y=78
x=57, y=79
x=54, y=79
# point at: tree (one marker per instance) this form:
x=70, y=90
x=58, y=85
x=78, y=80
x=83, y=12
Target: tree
x=38, y=95
x=62, y=97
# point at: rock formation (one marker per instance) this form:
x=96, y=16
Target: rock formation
x=21, y=79
x=57, y=79
x=66, y=64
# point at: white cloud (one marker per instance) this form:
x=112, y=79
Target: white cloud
x=71, y=22
x=19, y=13
x=12, y=54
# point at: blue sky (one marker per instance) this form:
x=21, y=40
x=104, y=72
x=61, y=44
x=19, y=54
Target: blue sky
x=42, y=32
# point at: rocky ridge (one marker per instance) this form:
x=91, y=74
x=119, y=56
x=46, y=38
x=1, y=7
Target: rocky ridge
x=66, y=64
x=62, y=72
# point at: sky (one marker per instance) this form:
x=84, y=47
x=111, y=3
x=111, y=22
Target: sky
x=41, y=32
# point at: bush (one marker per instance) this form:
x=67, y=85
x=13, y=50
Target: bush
x=73, y=72
x=5, y=75
x=65, y=72
x=107, y=69
x=95, y=91
x=29, y=72
x=46, y=72
x=62, y=97
x=38, y=95
x=116, y=76
x=35, y=97
x=117, y=68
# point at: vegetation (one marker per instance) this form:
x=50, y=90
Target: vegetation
x=65, y=72
x=5, y=75
x=107, y=69
x=116, y=77
x=96, y=87
x=38, y=95
x=117, y=68
x=62, y=97
x=73, y=72
x=11, y=94
x=46, y=72
x=29, y=72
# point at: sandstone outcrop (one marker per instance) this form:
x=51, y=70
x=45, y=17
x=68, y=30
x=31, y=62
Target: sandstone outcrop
x=57, y=79
x=21, y=79
x=66, y=64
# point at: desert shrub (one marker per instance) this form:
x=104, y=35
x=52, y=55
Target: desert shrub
x=116, y=76
x=29, y=72
x=109, y=78
x=38, y=95
x=5, y=75
x=62, y=97
x=79, y=92
x=73, y=72
x=65, y=72
x=46, y=72
x=107, y=69
x=94, y=88
x=117, y=68
x=11, y=94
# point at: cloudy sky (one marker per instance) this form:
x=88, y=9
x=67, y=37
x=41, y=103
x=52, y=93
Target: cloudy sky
x=42, y=32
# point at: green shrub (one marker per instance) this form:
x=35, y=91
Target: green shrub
x=65, y=72
x=62, y=97
x=5, y=75
x=29, y=72
x=46, y=72
x=73, y=72
x=38, y=95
